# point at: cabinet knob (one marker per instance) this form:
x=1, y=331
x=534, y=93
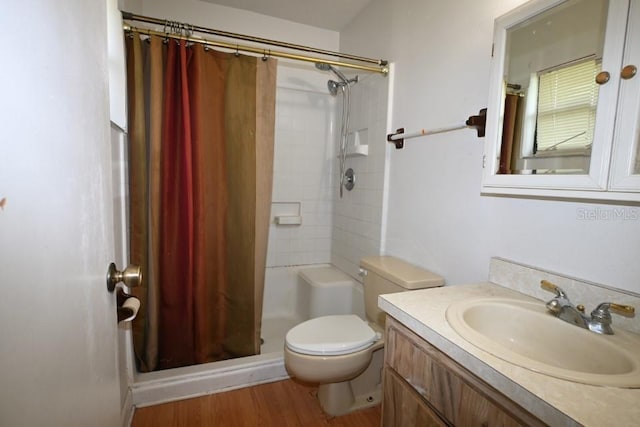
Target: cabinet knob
x=602, y=77
x=628, y=72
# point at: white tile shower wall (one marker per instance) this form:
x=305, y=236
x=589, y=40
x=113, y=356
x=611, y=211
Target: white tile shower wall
x=357, y=217
x=302, y=174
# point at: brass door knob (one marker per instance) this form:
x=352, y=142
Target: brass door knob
x=130, y=276
x=628, y=72
x=603, y=77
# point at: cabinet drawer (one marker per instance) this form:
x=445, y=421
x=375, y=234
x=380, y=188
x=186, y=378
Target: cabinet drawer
x=404, y=407
x=456, y=394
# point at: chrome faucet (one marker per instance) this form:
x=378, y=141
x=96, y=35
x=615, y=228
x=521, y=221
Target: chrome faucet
x=600, y=320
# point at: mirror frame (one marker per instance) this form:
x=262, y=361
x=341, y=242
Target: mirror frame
x=584, y=186
x=627, y=140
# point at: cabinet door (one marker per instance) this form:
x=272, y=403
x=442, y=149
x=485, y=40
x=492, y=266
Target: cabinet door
x=461, y=398
x=403, y=407
x=625, y=166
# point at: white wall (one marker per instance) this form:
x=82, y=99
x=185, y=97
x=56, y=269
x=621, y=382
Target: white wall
x=237, y=20
x=437, y=217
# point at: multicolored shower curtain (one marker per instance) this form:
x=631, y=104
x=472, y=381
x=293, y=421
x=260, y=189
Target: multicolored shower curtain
x=201, y=134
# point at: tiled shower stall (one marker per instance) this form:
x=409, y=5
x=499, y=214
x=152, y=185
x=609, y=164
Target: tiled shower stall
x=305, y=188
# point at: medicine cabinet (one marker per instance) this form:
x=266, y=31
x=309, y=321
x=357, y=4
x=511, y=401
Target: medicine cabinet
x=563, y=114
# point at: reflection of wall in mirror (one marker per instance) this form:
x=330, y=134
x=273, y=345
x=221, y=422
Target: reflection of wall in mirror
x=563, y=34
x=551, y=40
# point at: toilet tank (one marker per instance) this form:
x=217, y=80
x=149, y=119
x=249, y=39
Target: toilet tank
x=324, y=291
x=387, y=275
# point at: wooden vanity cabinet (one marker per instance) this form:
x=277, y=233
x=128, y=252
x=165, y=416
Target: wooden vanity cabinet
x=424, y=387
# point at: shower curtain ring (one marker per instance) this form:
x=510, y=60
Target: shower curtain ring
x=265, y=56
x=166, y=30
x=237, y=53
x=177, y=31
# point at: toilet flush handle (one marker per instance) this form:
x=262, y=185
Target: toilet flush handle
x=362, y=272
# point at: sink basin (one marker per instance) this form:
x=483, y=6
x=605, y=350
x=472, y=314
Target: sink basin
x=525, y=334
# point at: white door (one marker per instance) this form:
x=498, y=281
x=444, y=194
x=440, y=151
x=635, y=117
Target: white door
x=57, y=321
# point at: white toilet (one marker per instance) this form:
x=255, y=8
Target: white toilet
x=343, y=353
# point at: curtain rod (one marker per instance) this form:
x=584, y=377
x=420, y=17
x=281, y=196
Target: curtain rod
x=381, y=64
x=264, y=52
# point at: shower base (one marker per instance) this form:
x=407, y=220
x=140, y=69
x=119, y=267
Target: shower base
x=191, y=381
x=273, y=332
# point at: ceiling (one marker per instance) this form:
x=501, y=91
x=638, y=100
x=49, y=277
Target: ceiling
x=328, y=14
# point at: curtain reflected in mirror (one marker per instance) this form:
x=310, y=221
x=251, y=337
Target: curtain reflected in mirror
x=550, y=90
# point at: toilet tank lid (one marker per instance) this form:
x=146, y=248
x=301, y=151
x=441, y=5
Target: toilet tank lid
x=325, y=276
x=401, y=272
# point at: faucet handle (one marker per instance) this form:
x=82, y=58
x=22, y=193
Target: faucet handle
x=604, y=309
x=548, y=286
x=601, y=316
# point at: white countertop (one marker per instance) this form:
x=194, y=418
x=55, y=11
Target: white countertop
x=556, y=402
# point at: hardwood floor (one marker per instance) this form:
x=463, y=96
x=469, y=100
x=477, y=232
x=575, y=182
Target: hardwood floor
x=282, y=403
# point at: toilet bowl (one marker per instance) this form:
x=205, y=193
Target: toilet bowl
x=343, y=353
x=344, y=345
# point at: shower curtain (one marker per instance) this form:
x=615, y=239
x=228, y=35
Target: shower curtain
x=201, y=134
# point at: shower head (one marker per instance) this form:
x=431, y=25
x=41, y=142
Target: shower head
x=332, y=84
x=323, y=66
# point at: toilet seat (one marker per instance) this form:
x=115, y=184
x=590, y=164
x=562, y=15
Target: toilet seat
x=331, y=335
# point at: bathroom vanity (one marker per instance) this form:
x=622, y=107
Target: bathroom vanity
x=424, y=387
x=434, y=377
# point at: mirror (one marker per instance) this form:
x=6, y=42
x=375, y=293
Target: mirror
x=549, y=89
x=563, y=115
